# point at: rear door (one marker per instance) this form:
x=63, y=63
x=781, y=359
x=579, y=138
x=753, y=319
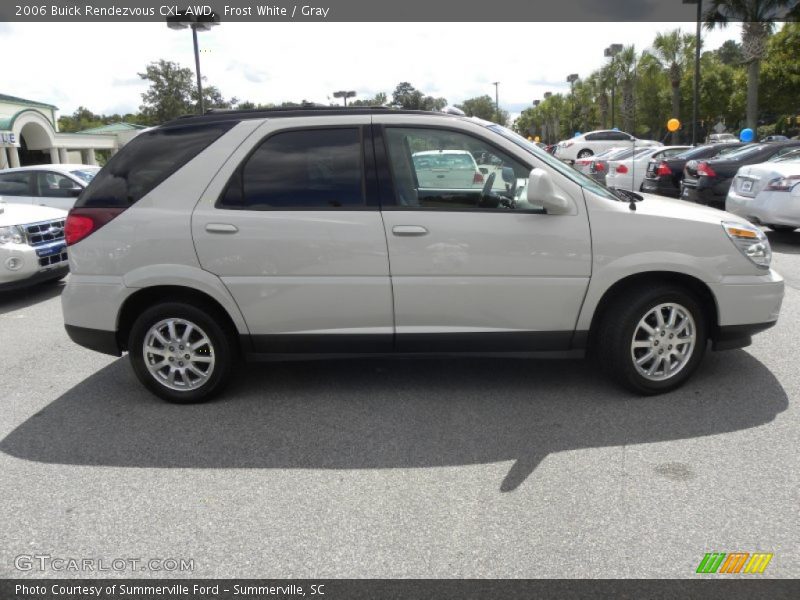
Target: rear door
x=477, y=269
x=55, y=190
x=291, y=225
x=17, y=187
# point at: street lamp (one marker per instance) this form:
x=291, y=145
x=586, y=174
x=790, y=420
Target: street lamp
x=197, y=23
x=696, y=90
x=572, y=78
x=344, y=94
x=497, y=99
x=611, y=52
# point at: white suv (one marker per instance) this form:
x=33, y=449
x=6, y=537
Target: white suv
x=303, y=233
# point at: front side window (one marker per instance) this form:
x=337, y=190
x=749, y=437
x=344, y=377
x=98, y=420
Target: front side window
x=55, y=185
x=312, y=168
x=16, y=184
x=449, y=170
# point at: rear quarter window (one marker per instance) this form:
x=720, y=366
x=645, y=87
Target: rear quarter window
x=148, y=160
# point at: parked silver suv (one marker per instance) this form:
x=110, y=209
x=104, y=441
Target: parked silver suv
x=308, y=233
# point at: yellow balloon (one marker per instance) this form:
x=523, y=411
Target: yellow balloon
x=673, y=124
x=536, y=139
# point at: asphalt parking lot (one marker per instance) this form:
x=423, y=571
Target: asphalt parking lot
x=413, y=468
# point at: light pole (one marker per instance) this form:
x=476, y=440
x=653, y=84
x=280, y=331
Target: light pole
x=611, y=52
x=551, y=132
x=696, y=90
x=572, y=78
x=344, y=94
x=496, y=100
x=536, y=104
x=197, y=23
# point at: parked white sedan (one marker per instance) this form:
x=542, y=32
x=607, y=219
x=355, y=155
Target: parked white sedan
x=56, y=186
x=767, y=193
x=628, y=173
x=595, y=142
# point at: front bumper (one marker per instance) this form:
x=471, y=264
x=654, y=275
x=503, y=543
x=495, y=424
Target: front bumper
x=745, y=305
x=768, y=208
x=29, y=268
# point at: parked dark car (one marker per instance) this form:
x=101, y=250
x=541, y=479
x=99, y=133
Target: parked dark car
x=708, y=181
x=664, y=176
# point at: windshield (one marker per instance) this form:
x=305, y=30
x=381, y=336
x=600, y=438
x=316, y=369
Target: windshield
x=86, y=174
x=570, y=173
x=786, y=156
x=745, y=151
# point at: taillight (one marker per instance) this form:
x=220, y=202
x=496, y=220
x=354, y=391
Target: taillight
x=82, y=222
x=477, y=178
x=705, y=170
x=599, y=166
x=622, y=169
x=663, y=169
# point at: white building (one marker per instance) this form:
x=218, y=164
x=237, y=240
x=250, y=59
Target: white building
x=29, y=135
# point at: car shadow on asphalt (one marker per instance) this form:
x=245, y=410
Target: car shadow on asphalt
x=23, y=298
x=786, y=242
x=375, y=414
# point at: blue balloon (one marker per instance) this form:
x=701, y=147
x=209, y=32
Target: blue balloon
x=615, y=129
x=577, y=134
x=746, y=135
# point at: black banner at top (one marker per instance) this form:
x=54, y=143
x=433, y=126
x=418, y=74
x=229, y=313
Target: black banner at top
x=363, y=10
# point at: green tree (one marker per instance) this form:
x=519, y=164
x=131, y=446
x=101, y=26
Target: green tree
x=378, y=99
x=758, y=21
x=408, y=97
x=625, y=71
x=483, y=107
x=780, y=73
x=673, y=50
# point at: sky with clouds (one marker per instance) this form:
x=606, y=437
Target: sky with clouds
x=96, y=65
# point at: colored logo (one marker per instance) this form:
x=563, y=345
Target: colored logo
x=734, y=562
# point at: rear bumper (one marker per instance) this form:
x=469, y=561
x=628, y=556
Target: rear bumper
x=95, y=339
x=772, y=208
x=661, y=187
x=703, y=193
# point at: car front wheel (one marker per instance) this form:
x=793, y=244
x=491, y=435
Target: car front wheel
x=180, y=353
x=585, y=153
x=652, y=340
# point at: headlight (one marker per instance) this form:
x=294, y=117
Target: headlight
x=750, y=241
x=11, y=235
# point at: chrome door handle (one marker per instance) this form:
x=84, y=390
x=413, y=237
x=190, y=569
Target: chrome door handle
x=409, y=230
x=221, y=228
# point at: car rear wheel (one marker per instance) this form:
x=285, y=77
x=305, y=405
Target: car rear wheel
x=181, y=353
x=653, y=339
x=585, y=152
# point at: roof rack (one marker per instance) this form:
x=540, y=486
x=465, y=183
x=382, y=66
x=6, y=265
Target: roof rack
x=235, y=114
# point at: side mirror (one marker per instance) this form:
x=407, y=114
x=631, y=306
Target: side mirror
x=75, y=192
x=542, y=191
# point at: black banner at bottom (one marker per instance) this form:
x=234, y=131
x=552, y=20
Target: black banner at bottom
x=387, y=589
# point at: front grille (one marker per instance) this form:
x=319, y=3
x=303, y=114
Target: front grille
x=43, y=233
x=47, y=261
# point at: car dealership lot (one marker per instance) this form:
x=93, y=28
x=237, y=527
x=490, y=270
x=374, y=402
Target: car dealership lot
x=407, y=468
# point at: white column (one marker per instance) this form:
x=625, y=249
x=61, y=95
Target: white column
x=3, y=158
x=88, y=157
x=62, y=154
x=54, y=156
x=13, y=156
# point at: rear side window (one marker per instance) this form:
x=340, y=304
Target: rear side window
x=16, y=184
x=312, y=168
x=146, y=161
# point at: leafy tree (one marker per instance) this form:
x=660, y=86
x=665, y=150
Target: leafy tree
x=673, y=50
x=483, y=107
x=378, y=99
x=780, y=73
x=758, y=21
x=407, y=96
x=730, y=53
x=624, y=65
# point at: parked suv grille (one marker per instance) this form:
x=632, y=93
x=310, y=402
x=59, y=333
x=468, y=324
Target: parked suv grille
x=43, y=233
x=46, y=261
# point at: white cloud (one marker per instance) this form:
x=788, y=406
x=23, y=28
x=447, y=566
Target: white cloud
x=96, y=65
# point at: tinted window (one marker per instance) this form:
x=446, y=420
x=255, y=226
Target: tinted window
x=301, y=169
x=146, y=161
x=595, y=137
x=85, y=174
x=617, y=136
x=16, y=184
x=55, y=185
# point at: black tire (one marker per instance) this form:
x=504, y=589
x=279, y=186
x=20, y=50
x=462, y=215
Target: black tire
x=585, y=152
x=615, y=336
x=222, y=347
x=781, y=227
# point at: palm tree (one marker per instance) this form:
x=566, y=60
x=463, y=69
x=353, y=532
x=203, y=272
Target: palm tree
x=625, y=70
x=673, y=52
x=758, y=17
x=603, y=80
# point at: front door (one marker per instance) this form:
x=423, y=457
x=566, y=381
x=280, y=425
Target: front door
x=476, y=267
x=295, y=234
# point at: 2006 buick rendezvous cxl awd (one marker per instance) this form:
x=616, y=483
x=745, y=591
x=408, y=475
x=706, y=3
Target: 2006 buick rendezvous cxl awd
x=306, y=233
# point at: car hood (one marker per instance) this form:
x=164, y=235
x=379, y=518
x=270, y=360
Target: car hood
x=661, y=206
x=22, y=214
